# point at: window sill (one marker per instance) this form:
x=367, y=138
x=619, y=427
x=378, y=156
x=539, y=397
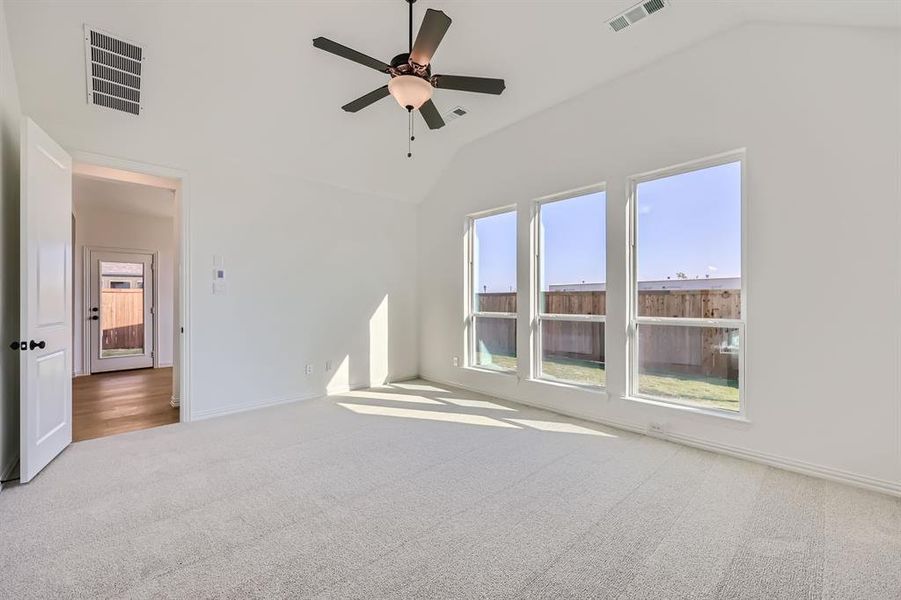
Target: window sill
x=489, y=371
x=592, y=389
x=686, y=408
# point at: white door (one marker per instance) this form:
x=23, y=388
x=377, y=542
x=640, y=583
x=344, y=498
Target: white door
x=45, y=370
x=120, y=311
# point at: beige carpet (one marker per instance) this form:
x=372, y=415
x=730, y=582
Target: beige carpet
x=422, y=492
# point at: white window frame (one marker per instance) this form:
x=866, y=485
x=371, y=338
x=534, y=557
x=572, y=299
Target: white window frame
x=471, y=313
x=634, y=320
x=536, y=286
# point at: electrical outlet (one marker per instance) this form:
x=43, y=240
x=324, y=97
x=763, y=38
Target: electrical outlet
x=328, y=365
x=456, y=361
x=656, y=429
x=309, y=370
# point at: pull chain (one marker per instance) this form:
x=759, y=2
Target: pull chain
x=410, y=133
x=410, y=136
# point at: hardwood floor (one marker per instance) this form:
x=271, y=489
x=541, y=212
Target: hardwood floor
x=109, y=403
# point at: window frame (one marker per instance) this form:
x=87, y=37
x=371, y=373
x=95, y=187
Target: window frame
x=470, y=290
x=634, y=320
x=539, y=316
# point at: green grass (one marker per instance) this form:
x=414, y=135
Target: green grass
x=706, y=392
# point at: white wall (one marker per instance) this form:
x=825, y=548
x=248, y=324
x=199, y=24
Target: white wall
x=308, y=264
x=10, y=115
x=314, y=274
x=309, y=268
x=818, y=110
x=116, y=230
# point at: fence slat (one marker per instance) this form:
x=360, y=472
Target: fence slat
x=122, y=318
x=692, y=350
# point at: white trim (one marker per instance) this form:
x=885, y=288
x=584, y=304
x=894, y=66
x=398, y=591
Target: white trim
x=241, y=408
x=492, y=212
x=574, y=318
x=585, y=190
x=788, y=464
x=571, y=385
x=493, y=315
x=689, y=322
x=489, y=370
x=632, y=317
x=182, y=345
x=234, y=409
x=684, y=406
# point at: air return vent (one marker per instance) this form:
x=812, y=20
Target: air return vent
x=113, y=70
x=636, y=13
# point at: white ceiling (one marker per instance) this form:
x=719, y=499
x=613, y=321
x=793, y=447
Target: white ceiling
x=241, y=80
x=92, y=194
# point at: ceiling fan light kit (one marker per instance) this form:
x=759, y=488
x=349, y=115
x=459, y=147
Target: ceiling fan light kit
x=410, y=91
x=412, y=82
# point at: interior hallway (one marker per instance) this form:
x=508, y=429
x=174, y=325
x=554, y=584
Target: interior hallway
x=110, y=403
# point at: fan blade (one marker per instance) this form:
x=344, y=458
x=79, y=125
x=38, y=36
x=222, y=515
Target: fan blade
x=482, y=85
x=345, y=52
x=431, y=32
x=429, y=112
x=364, y=101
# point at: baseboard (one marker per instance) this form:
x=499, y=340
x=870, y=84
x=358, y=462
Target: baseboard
x=240, y=408
x=8, y=470
x=235, y=409
x=788, y=464
x=164, y=365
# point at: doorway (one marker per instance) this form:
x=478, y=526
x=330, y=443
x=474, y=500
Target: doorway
x=121, y=321
x=53, y=312
x=126, y=244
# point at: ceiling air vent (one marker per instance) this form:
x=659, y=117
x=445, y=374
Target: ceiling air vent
x=619, y=23
x=636, y=13
x=113, y=69
x=455, y=113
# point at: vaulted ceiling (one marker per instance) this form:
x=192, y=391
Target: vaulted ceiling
x=242, y=80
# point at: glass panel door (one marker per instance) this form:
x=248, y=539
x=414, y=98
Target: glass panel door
x=120, y=313
x=121, y=309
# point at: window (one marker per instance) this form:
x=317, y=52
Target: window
x=687, y=326
x=492, y=296
x=572, y=274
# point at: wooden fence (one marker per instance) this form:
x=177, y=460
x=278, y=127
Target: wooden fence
x=689, y=350
x=122, y=318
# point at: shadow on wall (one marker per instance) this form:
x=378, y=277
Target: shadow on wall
x=370, y=364
x=9, y=296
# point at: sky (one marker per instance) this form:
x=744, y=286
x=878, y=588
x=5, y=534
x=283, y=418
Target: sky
x=688, y=223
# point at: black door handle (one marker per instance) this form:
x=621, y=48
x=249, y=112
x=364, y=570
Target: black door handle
x=94, y=318
x=33, y=344
x=94, y=309
x=18, y=345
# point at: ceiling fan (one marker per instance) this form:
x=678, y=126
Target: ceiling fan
x=412, y=81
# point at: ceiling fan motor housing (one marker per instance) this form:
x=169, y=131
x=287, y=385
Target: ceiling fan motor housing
x=402, y=65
